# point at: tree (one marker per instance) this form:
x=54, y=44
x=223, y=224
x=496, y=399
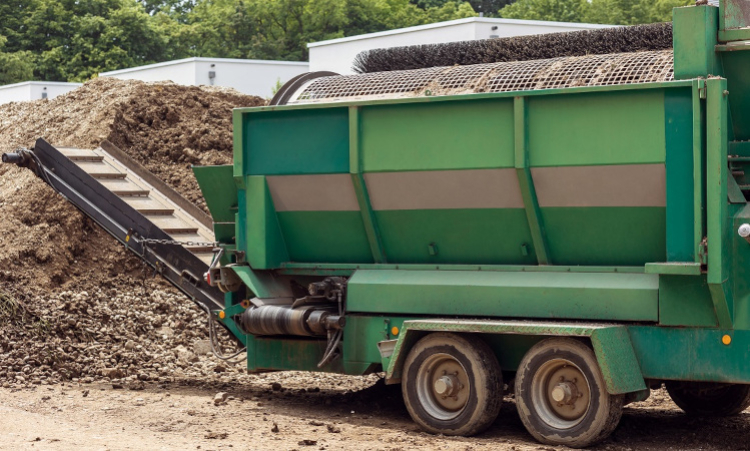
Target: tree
x=281, y=29
x=615, y=12
x=632, y=12
x=488, y=8
x=14, y=67
x=75, y=39
x=552, y=10
x=176, y=8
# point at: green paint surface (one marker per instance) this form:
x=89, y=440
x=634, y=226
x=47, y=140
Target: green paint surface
x=624, y=236
x=679, y=136
x=452, y=135
x=325, y=236
x=296, y=142
x=679, y=353
x=617, y=360
x=685, y=301
x=694, y=30
x=299, y=354
x=264, y=243
x=631, y=297
x=611, y=343
x=734, y=16
x=593, y=129
x=481, y=236
x=736, y=67
x=719, y=233
x=362, y=334
x=220, y=192
x=741, y=260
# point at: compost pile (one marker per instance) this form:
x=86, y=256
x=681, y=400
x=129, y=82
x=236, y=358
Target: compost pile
x=74, y=304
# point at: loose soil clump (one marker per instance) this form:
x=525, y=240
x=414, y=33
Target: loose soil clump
x=74, y=304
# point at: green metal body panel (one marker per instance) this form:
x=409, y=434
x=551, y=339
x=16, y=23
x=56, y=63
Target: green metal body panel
x=560, y=140
x=490, y=213
x=293, y=142
x=422, y=137
x=734, y=20
x=404, y=233
x=325, y=237
x=692, y=353
x=264, y=241
x=611, y=344
x=632, y=297
x=398, y=152
x=261, y=284
x=220, y=193
x=298, y=354
x=694, y=35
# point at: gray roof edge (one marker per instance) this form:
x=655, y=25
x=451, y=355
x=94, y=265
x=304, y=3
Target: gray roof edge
x=202, y=59
x=37, y=83
x=450, y=23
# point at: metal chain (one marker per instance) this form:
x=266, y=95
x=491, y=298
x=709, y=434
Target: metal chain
x=169, y=242
x=177, y=242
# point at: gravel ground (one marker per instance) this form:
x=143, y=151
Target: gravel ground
x=297, y=411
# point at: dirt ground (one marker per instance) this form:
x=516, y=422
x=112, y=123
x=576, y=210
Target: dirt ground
x=308, y=411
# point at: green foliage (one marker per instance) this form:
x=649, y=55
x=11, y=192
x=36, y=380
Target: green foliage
x=552, y=10
x=488, y=7
x=276, y=87
x=14, y=66
x=73, y=40
x=281, y=29
x=615, y=12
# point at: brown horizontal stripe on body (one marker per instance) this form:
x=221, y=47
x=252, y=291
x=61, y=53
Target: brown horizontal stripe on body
x=633, y=185
x=319, y=192
x=427, y=190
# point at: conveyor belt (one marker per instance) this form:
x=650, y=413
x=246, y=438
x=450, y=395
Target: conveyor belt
x=135, y=207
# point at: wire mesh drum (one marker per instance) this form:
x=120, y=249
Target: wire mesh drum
x=564, y=72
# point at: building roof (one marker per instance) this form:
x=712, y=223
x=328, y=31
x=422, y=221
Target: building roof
x=208, y=60
x=450, y=23
x=41, y=83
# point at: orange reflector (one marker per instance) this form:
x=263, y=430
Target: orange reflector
x=394, y=330
x=222, y=315
x=726, y=339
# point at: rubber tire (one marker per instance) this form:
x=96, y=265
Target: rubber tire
x=731, y=400
x=604, y=411
x=486, y=389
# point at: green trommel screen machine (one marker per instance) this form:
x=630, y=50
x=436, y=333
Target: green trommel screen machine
x=573, y=229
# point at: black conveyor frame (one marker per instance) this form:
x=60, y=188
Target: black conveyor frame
x=179, y=266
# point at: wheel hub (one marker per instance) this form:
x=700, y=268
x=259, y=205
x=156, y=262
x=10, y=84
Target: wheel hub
x=561, y=394
x=446, y=385
x=443, y=386
x=565, y=392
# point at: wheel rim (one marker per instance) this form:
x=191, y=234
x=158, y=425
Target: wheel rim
x=443, y=386
x=560, y=393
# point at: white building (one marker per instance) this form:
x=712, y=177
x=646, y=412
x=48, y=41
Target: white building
x=337, y=55
x=254, y=77
x=34, y=90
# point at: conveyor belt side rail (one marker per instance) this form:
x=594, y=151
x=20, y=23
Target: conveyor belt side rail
x=176, y=264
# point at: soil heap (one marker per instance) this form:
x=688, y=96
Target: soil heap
x=74, y=304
